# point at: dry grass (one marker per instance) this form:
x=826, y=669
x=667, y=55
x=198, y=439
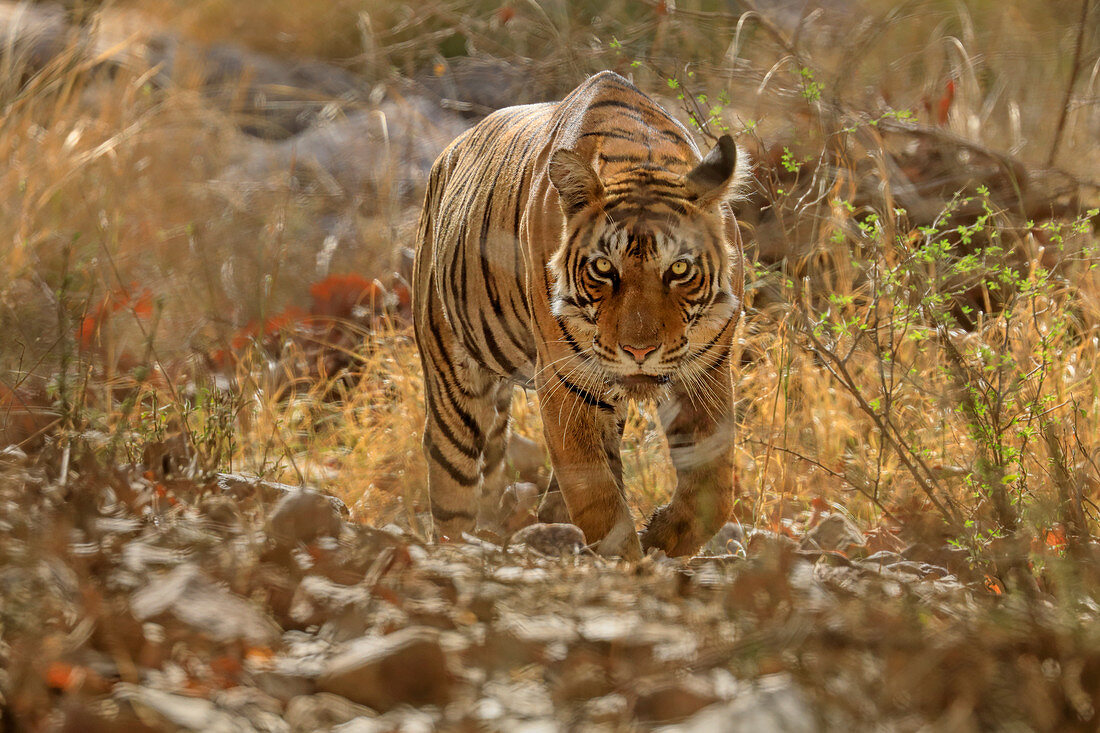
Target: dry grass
x=107, y=181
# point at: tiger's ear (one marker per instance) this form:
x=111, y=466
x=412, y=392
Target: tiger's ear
x=576, y=181
x=717, y=177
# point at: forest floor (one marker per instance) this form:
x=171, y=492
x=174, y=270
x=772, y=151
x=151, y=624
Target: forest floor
x=139, y=603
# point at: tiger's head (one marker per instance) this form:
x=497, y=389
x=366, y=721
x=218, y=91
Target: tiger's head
x=643, y=277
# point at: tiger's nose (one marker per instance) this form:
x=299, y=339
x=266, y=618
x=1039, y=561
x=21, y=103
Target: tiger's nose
x=639, y=352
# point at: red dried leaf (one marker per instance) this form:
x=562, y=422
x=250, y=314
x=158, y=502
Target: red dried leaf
x=86, y=332
x=283, y=320
x=62, y=676
x=115, y=301
x=337, y=295
x=943, y=107
x=143, y=305
x=1055, y=538
x=225, y=666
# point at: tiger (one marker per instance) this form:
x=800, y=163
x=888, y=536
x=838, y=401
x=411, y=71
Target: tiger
x=586, y=250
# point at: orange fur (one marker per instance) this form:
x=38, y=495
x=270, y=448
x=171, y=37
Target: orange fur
x=582, y=248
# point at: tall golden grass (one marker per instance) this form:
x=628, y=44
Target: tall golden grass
x=852, y=391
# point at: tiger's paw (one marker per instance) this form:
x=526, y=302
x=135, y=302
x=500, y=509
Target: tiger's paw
x=622, y=541
x=677, y=533
x=451, y=530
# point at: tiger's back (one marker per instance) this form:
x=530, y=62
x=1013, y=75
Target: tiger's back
x=488, y=306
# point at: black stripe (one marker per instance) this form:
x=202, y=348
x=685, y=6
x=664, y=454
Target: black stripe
x=569, y=340
x=713, y=341
x=457, y=475
x=672, y=134
x=528, y=345
x=589, y=399
x=613, y=136
x=490, y=285
x=502, y=361
x=576, y=302
x=446, y=515
x=626, y=207
x=458, y=304
x=647, y=181
x=617, y=103
x=443, y=365
x=483, y=242
x=473, y=453
x=658, y=163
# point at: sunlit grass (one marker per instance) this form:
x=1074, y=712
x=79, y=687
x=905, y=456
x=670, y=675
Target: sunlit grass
x=113, y=186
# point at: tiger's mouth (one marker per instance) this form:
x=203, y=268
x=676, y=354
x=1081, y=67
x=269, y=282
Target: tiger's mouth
x=642, y=380
x=639, y=386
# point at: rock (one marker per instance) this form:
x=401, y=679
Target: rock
x=476, y=86
x=773, y=704
x=552, y=509
x=729, y=540
x=262, y=711
x=323, y=711
x=274, y=97
x=882, y=558
x=956, y=560
x=182, y=712
x=673, y=700
x=189, y=596
x=32, y=35
x=283, y=686
x=221, y=510
x=402, y=720
x=318, y=600
x=833, y=533
x=406, y=667
x=302, y=516
x=243, y=488
x=610, y=710
x=369, y=725
x=582, y=675
x=518, y=505
x=528, y=699
x=761, y=542
x=527, y=459
x=13, y=455
x=384, y=153
x=551, y=539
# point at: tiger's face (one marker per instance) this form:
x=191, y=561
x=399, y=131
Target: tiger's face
x=642, y=280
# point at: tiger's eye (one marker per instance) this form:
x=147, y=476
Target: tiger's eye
x=679, y=268
x=602, y=265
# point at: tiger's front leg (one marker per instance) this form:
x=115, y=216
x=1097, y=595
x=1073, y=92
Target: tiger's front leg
x=699, y=424
x=583, y=435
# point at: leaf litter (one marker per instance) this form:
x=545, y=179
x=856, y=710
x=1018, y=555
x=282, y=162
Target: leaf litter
x=140, y=613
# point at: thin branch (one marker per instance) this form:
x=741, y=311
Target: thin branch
x=1086, y=5
x=909, y=457
x=835, y=474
